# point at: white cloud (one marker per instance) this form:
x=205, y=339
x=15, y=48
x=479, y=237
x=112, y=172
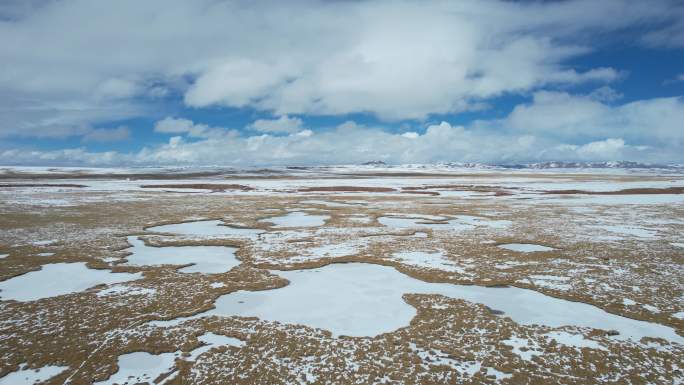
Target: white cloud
x=604, y=148
x=561, y=115
x=410, y=135
x=443, y=142
x=398, y=60
x=107, y=135
x=605, y=94
x=283, y=124
x=171, y=125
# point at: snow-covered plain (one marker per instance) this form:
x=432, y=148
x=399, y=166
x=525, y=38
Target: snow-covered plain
x=457, y=216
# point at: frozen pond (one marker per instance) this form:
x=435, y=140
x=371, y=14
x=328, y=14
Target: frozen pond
x=205, y=259
x=58, y=279
x=141, y=367
x=525, y=247
x=297, y=219
x=358, y=299
x=31, y=376
x=629, y=231
x=211, y=228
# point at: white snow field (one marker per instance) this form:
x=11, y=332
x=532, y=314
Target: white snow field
x=358, y=299
x=58, y=279
x=204, y=259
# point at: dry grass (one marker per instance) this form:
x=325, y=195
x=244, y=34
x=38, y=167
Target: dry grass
x=202, y=186
x=629, y=191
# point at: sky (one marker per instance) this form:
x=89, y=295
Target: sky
x=251, y=83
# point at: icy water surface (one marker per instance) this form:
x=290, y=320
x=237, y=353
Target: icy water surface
x=297, y=219
x=358, y=299
x=204, y=259
x=211, y=228
x=58, y=279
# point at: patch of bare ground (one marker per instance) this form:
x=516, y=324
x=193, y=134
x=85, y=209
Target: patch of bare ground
x=20, y=185
x=433, y=193
x=346, y=189
x=201, y=186
x=497, y=191
x=629, y=191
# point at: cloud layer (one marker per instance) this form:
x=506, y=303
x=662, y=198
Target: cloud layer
x=71, y=67
x=77, y=63
x=632, y=131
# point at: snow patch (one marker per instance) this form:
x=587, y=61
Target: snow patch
x=31, y=376
x=57, y=279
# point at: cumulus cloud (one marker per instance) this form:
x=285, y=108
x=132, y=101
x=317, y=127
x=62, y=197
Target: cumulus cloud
x=561, y=115
x=170, y=125
x=107, y=135
x=397, y=60
x=485, y=141
x=283, y=124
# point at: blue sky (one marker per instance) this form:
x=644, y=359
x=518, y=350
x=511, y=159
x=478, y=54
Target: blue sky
x=316, y=82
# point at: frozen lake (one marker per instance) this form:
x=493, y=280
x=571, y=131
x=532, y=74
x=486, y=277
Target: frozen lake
x=204, y=259
x=58, y=279
x=358, y=299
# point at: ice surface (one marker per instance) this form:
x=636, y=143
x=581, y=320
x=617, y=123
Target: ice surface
x=525, y=247
x=358, y=299
x=627, y=230
x=212, y=228
x=141, y=367
x=297, y=219
x=58, y=279
x=613, y=200
x=212, y=340
x=205, y=259
x=31, y=376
